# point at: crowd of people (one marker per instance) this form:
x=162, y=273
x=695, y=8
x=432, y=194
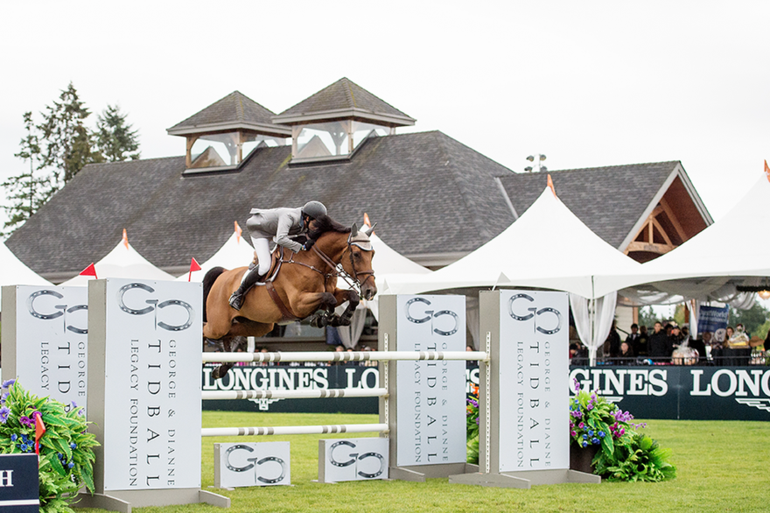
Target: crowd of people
x=670, y=343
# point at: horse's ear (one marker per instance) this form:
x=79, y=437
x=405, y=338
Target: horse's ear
x=368, y=229
x=354, y=230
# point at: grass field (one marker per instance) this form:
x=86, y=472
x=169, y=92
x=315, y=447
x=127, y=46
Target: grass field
x=721, y=466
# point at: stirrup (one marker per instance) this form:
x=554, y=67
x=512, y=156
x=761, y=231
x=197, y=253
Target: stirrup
x=236, y=301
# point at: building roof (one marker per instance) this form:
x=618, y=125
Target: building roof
x=429, y=194
x=344, y=98
x=234, y=111
x=612, y=201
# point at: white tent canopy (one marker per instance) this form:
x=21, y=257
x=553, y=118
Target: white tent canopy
x=730, y=252
x=122, y=262
x=236, y=252
x=547, y=247
x=14, y=272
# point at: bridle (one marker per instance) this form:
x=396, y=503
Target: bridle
x=337, y=270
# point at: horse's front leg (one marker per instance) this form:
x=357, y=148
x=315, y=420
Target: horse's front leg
x=321, y=304
x=351, y=296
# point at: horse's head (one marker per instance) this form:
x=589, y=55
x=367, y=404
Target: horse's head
x=359, y=263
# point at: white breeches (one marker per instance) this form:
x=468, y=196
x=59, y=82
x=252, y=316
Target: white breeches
x=262, y=247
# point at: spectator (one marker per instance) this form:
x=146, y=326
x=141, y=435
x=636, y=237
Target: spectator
x=612, y=344
x=699, y=345
x=633, y=338
x=658, y=344
x=626, y=354
x=644, y=337
x=675, y=339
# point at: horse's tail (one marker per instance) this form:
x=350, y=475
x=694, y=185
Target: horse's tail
x=208, y=282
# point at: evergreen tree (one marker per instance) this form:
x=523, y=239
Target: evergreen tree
x=28, y=191
x=114, y=137
x=67, y=144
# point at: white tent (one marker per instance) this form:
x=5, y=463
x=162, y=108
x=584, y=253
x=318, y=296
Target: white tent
x=122, y=262
x=236, y=252
x=14, y=272
x=547, y=247
x=730, y=252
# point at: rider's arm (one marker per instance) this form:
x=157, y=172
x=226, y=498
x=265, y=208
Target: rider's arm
x=285, y=222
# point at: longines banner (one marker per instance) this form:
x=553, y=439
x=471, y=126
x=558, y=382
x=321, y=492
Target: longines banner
x=49, y=353
x=152, y=407
x=533, y=370
x=431, y=394
x=688, y=393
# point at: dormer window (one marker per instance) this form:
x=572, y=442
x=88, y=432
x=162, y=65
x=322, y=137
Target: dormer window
x=221, y=136
x=332, y=123
x=336, y=138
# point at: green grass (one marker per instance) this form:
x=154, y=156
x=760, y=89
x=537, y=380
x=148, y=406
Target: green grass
x=721, y=466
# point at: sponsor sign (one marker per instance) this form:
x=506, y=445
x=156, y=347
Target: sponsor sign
x=533, y=380
x=713, y=319
x=358, y=459
x=687, y=393
x=431, y=394
x=152, y=406
x=252, y=464
x=46, y=341
x=19, y=483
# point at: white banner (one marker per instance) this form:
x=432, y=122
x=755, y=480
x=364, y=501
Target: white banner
x=534, y=381
x=252, y=464
x=357, y=459
x=52, y=342
x=152, y=413
x=431, y=394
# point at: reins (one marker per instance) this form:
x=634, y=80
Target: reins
x=337, y=270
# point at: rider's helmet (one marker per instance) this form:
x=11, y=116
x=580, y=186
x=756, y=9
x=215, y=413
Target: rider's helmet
x=314, y=209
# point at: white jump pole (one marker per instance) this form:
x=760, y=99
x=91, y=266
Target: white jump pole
x=295, y=430
x=294, y=394
x=357, y=356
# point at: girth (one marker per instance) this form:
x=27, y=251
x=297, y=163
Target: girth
x=285, y=312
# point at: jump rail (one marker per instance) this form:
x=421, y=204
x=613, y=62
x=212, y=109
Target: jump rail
x=295, y=430
x=357, y=356
x=294, y=394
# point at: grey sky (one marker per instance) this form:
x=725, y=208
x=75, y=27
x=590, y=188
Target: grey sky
x=586, y=83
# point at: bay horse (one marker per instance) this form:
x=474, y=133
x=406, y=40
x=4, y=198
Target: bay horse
x=304, y=284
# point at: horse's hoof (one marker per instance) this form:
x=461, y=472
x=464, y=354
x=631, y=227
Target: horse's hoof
x=319, y=322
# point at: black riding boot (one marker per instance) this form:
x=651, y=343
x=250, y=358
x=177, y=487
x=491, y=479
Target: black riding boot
x=252, y=277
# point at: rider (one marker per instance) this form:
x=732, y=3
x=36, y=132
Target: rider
x=275, y=224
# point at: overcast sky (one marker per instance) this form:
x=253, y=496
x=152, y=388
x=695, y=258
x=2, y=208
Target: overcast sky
x=586, y=83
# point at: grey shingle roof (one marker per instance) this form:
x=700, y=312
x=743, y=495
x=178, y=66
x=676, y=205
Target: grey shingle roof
x=235, y=108
x=343, y=94
x=609, y=200
x=428, y=193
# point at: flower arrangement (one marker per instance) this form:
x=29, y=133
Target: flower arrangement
x=472, y=424
x=29, y=423
x=624, y=454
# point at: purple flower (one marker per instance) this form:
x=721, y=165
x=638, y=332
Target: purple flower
x=581, y=425
x=8, y=383
x=574, y=433
x=27, y=421
x=4, y=412
x=576, y=385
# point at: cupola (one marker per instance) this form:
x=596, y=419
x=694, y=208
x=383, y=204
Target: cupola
x=333, y=122
x=223, y=134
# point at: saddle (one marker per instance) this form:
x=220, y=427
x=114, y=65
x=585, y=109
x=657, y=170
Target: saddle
x=275, y=267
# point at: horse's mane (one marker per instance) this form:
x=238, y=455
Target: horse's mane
x=325, y=224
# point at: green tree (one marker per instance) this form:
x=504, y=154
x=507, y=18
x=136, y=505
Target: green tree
x=28, y=191
x=752, y=319
x=647, y=317
x=67, y=142
x=114, y=137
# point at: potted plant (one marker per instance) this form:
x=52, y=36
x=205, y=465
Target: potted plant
x=59, y=433
x=604, y=442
